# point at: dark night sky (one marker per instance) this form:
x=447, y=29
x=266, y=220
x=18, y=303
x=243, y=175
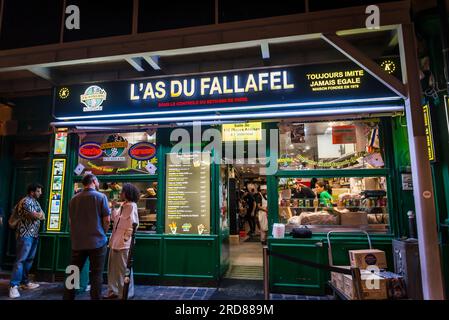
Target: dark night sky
x=28, y=23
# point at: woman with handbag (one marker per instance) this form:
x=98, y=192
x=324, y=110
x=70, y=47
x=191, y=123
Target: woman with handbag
x=120, y=241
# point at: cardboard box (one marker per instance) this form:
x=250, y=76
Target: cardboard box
x=366, y=258
x=337, y=278
x=353, y=218
x=373, y=287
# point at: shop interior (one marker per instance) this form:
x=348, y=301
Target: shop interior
x=246, y=255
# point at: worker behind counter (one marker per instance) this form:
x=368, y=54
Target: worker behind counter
x=300, y=191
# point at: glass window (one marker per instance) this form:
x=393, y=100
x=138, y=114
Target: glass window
x=330, y=145
x=146, y=206
x=119, y=153
x=334, y=202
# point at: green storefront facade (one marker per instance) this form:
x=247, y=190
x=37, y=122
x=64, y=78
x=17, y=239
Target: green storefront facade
x=184, y=259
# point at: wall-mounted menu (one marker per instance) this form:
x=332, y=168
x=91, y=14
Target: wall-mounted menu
x=187, y=193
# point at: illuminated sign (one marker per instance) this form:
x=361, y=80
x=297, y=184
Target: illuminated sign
x=90, y=150
x=60, y=147
x=142, y=151
x=429, y=133
x=64, y=93
x=114, y=147
x=254, y=90
x=242, y=131
x=389, y=66
x=93, y=98
x=210, y=86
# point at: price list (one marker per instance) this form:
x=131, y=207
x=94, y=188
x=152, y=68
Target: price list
x=187, y=193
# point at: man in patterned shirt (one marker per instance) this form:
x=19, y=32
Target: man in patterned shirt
x=27, y=235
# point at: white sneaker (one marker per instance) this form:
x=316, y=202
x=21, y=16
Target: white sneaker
x=14, y=292
x=88, y=288
x=30, y=286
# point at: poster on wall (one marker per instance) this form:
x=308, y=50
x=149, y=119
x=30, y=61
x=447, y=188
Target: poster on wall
x=187, y=193
x=56, y=194
x=60, y=143
x=344, y=135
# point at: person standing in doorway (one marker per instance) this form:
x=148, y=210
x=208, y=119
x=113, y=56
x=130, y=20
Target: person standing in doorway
x=120, y=242
x=29, y=215
x=262, y=213
x=251, y=211
x=89, y=218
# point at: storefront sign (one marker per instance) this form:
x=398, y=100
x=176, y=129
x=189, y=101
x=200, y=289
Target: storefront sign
x=56, y=194
x=344, y=135
x=279, y=88
x=429, y=132
x=142, y=151
x=242, y=131
x=187, y=193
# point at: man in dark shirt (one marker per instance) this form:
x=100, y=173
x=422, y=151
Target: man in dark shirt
x=251, y=211
x=302, y=192
x=89, y=218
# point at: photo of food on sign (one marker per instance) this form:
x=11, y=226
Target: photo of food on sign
x=118, y=153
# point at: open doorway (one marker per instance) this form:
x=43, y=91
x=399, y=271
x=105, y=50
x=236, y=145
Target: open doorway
x=247, y=198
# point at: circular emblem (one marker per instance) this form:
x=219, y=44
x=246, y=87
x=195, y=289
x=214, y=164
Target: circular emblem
x=142, y=151
x=92, y=98
x=427, y=194
x=90, y=150
x=64, y=93
x=389, y=66
x=115, y=146
x=370, y=259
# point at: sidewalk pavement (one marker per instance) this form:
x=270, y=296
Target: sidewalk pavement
x=54, y=291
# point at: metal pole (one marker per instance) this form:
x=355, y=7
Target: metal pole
x=426, y=220
x=266, y=272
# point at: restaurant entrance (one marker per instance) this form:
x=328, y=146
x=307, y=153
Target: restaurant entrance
x=248, y=224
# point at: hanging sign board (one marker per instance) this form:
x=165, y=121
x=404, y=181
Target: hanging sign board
x=251, y=131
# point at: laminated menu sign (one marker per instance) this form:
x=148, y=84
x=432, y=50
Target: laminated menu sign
x=56, y=194
x=187, y=193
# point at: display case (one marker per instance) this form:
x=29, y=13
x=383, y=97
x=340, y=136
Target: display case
x=352, y=203
x=146, y=206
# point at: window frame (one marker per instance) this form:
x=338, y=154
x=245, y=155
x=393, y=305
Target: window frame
x=387, y=172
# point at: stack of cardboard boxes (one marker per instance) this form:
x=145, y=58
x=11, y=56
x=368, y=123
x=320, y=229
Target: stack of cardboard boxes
x=370, y=262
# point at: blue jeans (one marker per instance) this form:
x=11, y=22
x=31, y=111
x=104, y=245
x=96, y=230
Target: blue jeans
x=25, y=252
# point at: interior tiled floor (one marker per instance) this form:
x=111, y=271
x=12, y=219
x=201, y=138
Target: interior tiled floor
x=246, y=254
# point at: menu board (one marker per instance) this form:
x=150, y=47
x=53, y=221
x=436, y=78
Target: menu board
x=187, y=194
x=56, y=194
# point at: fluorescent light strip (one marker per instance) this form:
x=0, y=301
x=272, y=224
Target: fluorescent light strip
x=238, y=116
x=300, y=104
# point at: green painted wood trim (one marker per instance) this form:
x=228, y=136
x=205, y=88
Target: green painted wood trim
x=122, y=177
x=333, y=173
x=299, y=286
x=174, y=275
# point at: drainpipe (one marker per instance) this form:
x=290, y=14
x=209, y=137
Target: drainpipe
x=444, y=38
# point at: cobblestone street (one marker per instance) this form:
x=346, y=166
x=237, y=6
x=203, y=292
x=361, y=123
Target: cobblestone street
x=54, y=291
